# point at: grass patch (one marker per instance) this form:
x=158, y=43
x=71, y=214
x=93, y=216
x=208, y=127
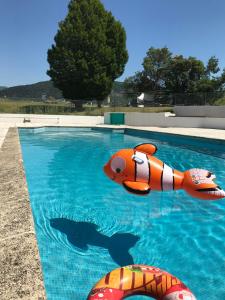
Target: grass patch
x=31, y=107
x=220, y=101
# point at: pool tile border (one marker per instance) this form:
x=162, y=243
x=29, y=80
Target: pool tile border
x=20, y=267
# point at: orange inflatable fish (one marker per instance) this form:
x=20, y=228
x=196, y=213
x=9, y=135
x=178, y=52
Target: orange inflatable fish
x=140, y=172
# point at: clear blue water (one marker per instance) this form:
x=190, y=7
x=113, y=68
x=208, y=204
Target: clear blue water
x=87, y=225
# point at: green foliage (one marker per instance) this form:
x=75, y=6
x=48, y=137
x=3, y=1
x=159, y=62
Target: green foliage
x=212, y=66
x=117, y=87
x=163, y=71
x=222, y=80
x=183, y=74
x=207, y=85
x=137, y=83
x=156, y=66
x=220, y=101
x=153, y=76
x=89, y=52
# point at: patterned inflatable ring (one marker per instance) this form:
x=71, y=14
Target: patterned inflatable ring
x=140, y=280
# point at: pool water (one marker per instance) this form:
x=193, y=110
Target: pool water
x=87, y=225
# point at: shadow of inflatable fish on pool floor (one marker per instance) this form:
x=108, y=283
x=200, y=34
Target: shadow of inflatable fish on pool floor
x=84, y=234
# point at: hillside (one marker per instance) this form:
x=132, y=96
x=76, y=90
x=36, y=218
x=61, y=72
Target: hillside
x=41, y=90
x=3, y=88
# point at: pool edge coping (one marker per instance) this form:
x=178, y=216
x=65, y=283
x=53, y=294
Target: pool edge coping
x=20, y=264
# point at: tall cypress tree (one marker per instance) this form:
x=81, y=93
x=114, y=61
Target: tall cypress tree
x=89, y=52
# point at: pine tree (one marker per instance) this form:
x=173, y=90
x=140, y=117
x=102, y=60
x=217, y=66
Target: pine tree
x=89, y=52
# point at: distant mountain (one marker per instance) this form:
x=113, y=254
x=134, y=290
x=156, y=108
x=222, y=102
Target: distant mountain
x=40, y=90
x=3, y=87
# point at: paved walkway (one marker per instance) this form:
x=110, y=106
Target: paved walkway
x=3, y=132
x=20, y=269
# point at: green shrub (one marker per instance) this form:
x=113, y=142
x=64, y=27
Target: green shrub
x=220, y=101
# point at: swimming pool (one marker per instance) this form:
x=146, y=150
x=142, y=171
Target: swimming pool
x=87, y=225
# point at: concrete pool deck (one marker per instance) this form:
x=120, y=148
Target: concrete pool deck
x=20, y=269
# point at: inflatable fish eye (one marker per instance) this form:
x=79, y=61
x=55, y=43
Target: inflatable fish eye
x=118, y=164
x=209, y=175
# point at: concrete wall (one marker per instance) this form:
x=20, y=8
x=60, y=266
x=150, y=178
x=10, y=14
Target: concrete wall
x=200, y=111
x=18, y=119
x=196, y=122
x=145, y=119
x=164, y=120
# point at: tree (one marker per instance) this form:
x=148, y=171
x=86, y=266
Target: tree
x=209, y=83
x=212, y=66
x=163, y=71
x=136, y=83
x=183, y=74
x=155, y=66
x=89, y=52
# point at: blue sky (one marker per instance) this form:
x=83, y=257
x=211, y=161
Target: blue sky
x=27, y=28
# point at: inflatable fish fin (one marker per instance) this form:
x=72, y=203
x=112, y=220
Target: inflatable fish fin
x=140, y=188
x=146, y=148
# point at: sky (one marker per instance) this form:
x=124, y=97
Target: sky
x=188, y=27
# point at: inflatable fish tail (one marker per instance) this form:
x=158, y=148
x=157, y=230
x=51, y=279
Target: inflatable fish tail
x=200, y=183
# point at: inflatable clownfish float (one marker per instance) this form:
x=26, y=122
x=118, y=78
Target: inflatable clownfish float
x=140, y=172
x=140, y=280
